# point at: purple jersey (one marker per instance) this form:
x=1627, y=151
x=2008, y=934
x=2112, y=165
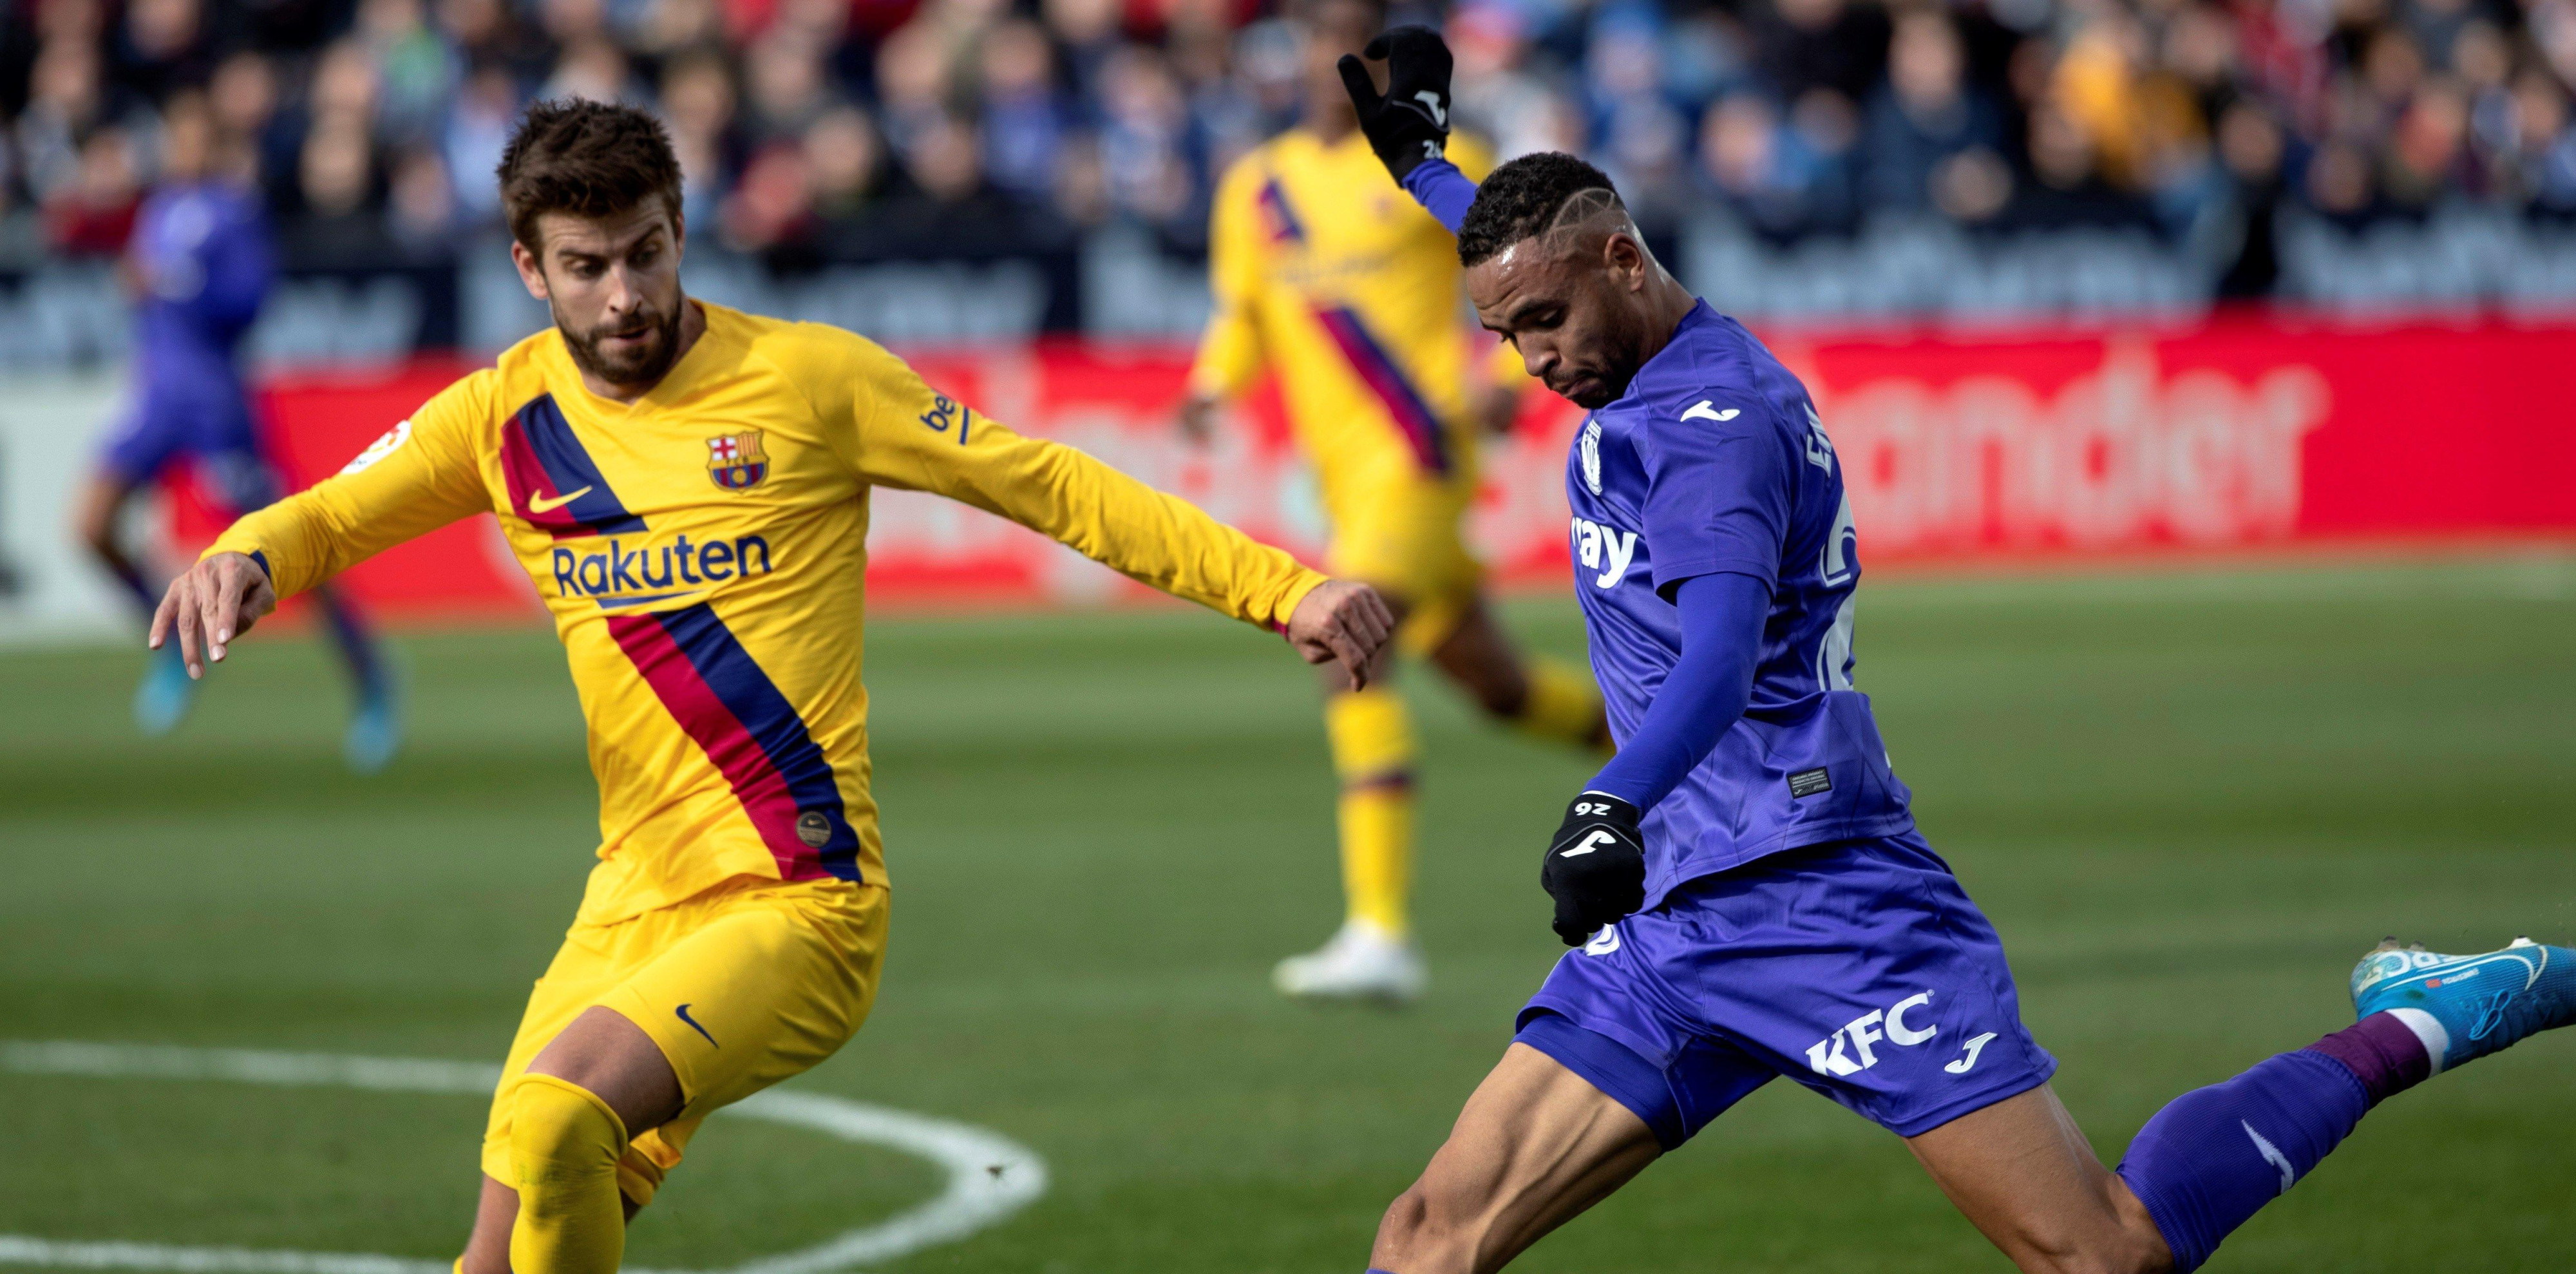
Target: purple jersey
x=202, y=250
x=1714, y=461
x=202, y=253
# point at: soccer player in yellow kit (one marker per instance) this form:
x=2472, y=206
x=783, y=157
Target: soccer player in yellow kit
x=1328, y=273
x=687, y=486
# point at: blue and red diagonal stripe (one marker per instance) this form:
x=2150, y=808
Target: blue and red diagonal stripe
x=735, y=713
x=1412, y=415
x=1284, y=226
x=542, y=458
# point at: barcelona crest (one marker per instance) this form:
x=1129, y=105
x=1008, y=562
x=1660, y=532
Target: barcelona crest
x=736, y=462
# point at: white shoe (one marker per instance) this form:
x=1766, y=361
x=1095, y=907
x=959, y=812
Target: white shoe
x=1362, y=962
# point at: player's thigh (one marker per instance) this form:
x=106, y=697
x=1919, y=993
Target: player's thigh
x=775, y=982
x=1400, y=533
x=782, y=974
x=1479, y=656
x=1536, y=1145
x=2023, y=1174
x=591, y=961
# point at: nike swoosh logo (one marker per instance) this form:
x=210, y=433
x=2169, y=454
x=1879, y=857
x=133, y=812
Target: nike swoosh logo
x=683, y=1010
x=541, y=504
x=1707, y=410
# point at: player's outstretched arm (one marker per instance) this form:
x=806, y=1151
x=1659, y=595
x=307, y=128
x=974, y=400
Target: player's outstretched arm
x=215, y=601
x=1408, y=125
x=905, y=435
x=420, y=476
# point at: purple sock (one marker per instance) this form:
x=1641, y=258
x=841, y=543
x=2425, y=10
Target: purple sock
x=2214, y=1156
x=2382, y=1052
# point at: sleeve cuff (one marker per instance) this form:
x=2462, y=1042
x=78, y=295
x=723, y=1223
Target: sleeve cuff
x=1670, y=576
x=1306, y=581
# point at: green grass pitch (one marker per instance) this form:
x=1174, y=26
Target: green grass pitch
x=2189, y=801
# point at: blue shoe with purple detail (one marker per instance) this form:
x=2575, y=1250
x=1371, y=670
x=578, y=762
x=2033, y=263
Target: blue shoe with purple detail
x=2465, y=1007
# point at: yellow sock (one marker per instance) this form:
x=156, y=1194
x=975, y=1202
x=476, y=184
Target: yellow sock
x=1372, y=743
x=1377, y=855
x=564, y=1145
x=1563, y=705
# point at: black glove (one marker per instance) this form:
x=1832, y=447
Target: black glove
x=1409, y=124
x=1596, y=866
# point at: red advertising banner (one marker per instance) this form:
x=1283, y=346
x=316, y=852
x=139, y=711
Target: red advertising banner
x=2239, y=432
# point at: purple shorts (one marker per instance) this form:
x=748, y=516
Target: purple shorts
x=214, y=429
x=1858, y=969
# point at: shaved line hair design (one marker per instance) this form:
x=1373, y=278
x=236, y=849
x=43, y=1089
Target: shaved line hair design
x=1550, y=196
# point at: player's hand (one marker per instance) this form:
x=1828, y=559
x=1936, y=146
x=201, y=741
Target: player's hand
x=1197, y=418
x=1596, y=866
x=1410, y=122
x=217, y=600
x=1343, y=620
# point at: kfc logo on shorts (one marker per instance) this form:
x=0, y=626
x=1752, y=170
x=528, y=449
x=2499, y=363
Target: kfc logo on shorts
x=1834, y=1054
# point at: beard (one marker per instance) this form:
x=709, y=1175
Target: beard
x=630, y=364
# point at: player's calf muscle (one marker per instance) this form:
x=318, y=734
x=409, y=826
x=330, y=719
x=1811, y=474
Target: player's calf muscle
x=2022, y=1173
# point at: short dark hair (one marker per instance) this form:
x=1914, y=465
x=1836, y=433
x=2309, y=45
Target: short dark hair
x=1526, y=197
x=590, y=159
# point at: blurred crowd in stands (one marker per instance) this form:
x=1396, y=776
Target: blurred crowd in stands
x=868, y=129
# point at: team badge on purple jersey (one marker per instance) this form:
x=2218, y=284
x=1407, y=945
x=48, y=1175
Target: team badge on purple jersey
x=1713, y=461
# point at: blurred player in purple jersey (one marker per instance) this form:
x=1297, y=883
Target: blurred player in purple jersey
x=199, y=265
x=1744, y=882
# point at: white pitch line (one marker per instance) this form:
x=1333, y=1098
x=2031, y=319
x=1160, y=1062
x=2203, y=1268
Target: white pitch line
x=989, y=1176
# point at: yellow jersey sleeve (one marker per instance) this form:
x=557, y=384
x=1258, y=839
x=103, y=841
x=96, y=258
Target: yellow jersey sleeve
x=1230, y=351
x=898, y=432
x=422, y=475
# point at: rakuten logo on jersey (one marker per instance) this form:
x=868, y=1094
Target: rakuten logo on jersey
x=1603, y=549
x=614, y=571
x=1850, y=1050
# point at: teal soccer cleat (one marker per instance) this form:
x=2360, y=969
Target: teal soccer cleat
x=161, y=699
x=2465, y=1007
x=375, y=730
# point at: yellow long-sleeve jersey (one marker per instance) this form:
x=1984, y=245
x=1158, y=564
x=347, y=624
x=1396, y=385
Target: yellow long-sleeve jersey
x=703, y=552
x=1324, y=269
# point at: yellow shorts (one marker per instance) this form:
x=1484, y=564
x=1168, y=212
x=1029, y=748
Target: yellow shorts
x=741, y=987
x=1404, y=536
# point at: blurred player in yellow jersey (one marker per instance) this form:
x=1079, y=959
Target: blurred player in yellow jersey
x=687, y=486
x=1327, y=273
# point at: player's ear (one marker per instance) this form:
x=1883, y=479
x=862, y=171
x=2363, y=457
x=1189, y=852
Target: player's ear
x=1626, y=258
x=531, y=270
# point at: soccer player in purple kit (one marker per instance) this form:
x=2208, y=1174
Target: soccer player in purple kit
x=1744, y=880
x=200, y=265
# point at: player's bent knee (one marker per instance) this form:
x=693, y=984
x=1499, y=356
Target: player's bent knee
x=2115, y=1249
x=1413, y=1238
x=1429, y=1231
x=562, y=1135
